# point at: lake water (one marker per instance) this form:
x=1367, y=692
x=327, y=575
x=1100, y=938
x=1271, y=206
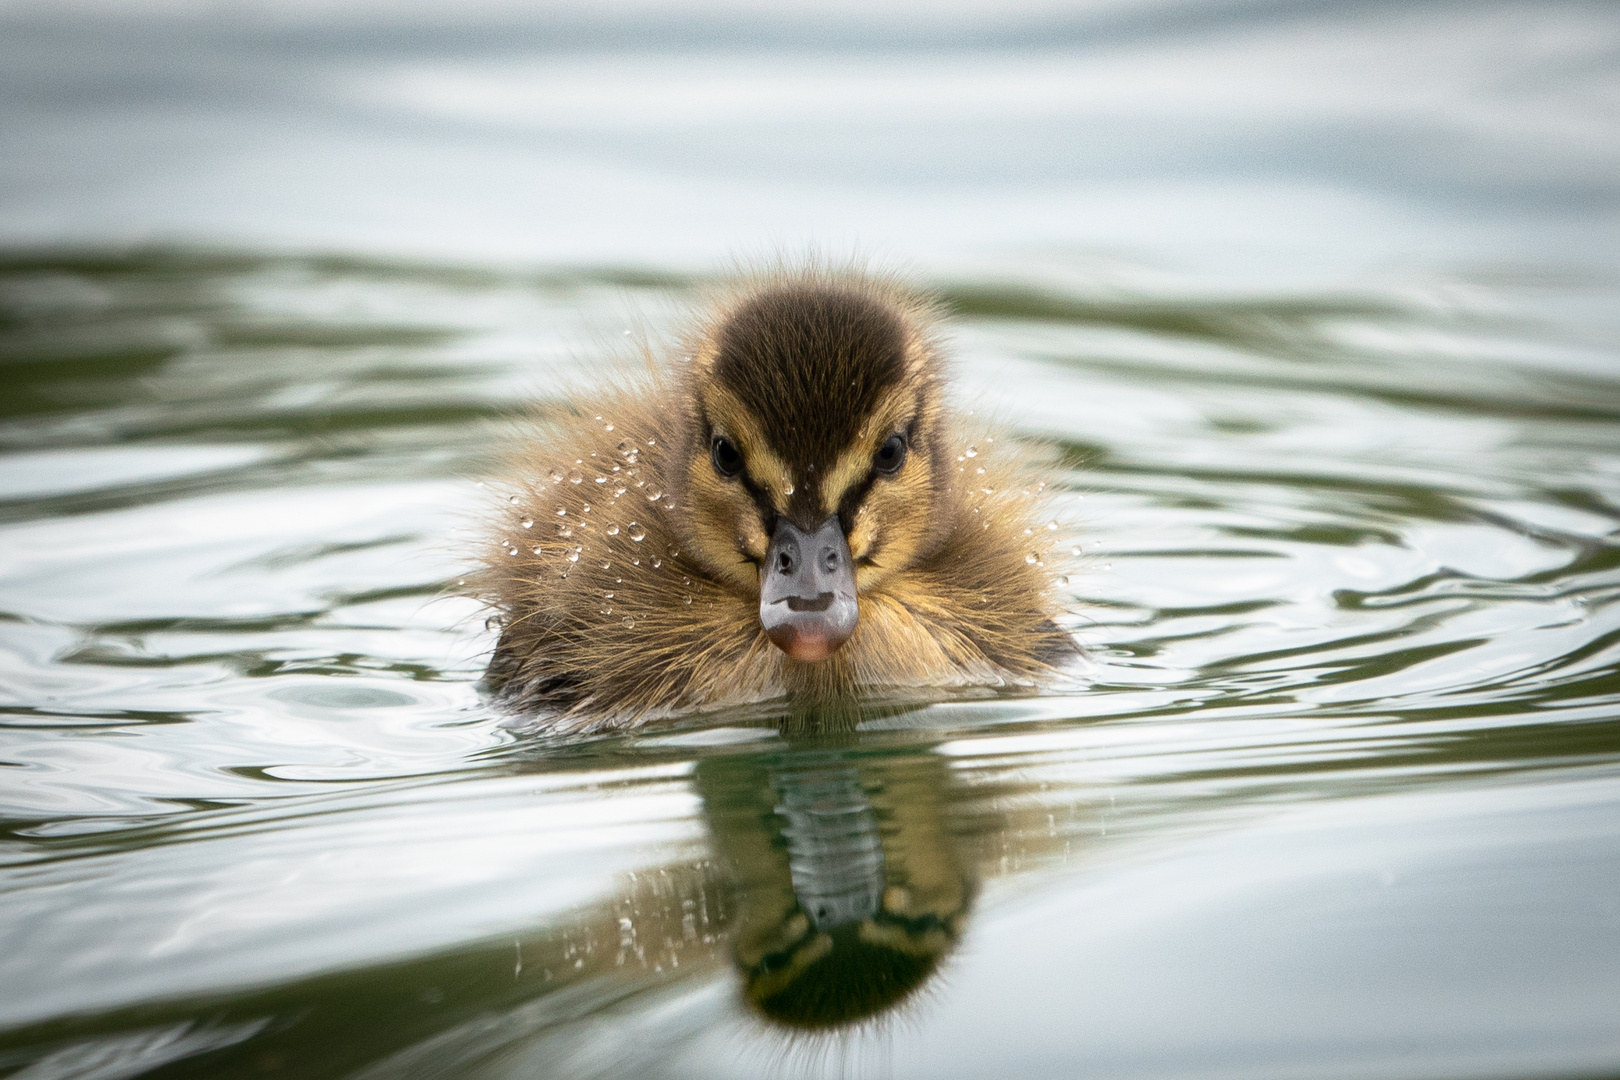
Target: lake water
x=1317, y=310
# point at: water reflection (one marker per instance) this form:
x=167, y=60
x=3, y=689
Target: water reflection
x=838, y=875
x=850, y=880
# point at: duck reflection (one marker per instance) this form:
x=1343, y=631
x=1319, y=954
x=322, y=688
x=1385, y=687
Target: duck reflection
x=850, y=886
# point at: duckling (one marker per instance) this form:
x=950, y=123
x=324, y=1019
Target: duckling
x=787, y=510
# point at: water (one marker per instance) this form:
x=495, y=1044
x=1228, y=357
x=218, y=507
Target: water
x=1340, y=794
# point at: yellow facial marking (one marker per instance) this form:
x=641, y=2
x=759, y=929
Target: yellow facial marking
x=725, y=533
x=896, y=522
x=751, y=538
x=730, y=418
x=862, y=535
x=855, y=462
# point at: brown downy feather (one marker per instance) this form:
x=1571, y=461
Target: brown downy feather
x=624, y=571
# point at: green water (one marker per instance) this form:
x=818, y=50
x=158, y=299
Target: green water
x=1339, y=794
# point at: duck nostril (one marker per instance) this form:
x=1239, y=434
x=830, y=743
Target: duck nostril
x=829, y=560
x=784, y=563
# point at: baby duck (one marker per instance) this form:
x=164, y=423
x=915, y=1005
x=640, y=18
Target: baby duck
x=790, y=510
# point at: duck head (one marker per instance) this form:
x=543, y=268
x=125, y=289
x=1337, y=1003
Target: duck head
x=814, y=466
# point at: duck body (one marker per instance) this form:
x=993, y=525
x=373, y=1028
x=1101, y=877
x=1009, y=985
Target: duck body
x=788, y=509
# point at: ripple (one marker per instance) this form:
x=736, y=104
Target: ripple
x=1338, y=559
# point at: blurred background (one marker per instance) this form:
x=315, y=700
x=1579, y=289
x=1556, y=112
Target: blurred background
x=1278, y=139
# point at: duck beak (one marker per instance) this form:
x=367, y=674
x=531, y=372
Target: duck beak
x=807, y=590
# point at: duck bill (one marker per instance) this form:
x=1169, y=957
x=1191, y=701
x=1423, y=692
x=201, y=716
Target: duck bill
x=807, y=590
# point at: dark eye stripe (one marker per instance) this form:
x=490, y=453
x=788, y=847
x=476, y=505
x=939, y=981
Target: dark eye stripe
x=857, y=492
x=761, y=498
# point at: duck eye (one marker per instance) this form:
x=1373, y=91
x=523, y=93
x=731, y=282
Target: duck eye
x=891, y=455
x=727, y=462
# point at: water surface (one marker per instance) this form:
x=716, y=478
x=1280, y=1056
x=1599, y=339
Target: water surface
x=1339, y=795
x=1311, y=311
